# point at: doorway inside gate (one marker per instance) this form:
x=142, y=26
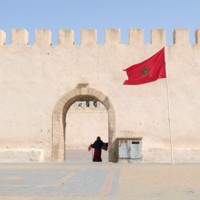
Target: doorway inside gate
x=86, y=119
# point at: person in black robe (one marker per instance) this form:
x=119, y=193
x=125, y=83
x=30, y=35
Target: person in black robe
x=98, y=145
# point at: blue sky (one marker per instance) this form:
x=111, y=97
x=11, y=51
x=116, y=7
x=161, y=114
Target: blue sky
x=99, y=14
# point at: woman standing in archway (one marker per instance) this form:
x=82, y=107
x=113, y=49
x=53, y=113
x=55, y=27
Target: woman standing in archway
x=98, y=145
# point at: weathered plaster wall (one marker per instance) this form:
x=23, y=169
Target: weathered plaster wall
x=33, y=78
x=84, y=124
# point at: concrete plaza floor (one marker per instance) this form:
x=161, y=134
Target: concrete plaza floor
x=80, y=178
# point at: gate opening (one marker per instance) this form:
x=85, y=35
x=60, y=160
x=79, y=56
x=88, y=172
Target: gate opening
x=86, y=119
x=60, y=110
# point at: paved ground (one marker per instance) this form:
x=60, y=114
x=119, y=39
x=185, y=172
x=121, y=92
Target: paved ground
x=79, y=178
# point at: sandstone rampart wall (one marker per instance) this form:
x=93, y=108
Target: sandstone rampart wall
x=33, y=79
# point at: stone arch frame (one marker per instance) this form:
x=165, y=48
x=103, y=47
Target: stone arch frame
x=59, y=115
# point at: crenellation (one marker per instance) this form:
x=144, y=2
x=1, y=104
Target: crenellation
x=43, y=37
x=136, y=36
x=197, y=36
x=19, y=37
x=158, y=37
x=76, y=104
x=98, y=104
x=91, y=104
x=88, y=36
x=112, y=36
x=83, y=105
x=181, y=36
x=2, y=37
x=65, y=37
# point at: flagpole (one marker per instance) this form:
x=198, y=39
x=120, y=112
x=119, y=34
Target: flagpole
x=172, y=156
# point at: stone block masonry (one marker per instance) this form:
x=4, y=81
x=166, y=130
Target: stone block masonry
x=39, y=83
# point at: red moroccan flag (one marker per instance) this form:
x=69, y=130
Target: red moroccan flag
x=147, y=71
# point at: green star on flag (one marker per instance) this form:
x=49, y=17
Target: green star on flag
x=145, y=71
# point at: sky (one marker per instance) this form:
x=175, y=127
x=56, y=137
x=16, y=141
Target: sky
x=99, y=15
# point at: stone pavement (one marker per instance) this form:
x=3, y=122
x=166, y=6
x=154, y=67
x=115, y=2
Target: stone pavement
x=79, y=178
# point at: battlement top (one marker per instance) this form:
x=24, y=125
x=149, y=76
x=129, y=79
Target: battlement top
x=89, y=37
x=82, y=106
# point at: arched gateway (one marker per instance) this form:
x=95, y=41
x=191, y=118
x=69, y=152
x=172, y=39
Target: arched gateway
x=59, y=115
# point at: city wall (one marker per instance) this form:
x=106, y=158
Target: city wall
x=39, y=83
